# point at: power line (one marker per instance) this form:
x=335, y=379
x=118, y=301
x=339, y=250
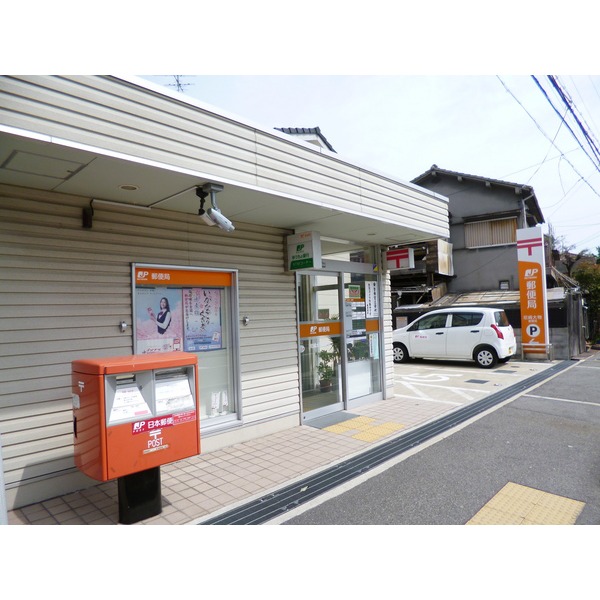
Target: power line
x=589, y=112
x=561, y=117
x=571, y=108
x=562, y=154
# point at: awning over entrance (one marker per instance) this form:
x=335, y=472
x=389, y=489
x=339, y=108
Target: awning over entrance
x=125, y=141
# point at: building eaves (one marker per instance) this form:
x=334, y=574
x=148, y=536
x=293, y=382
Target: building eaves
x=435, y=170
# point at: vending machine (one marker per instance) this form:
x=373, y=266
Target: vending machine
x=132, y=414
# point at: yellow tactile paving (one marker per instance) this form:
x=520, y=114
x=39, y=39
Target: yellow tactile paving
x=517, y=504
x=357, y=424
x=368, y=430
x=378, y=431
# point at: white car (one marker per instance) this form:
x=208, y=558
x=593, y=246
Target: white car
x=469, y=333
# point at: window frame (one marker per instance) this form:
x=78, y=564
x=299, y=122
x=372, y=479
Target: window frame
x=469, y=235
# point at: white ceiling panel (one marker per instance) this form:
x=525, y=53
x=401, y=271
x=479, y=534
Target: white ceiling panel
x=55, y=167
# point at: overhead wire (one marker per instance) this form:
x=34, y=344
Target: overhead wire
x=571, y=108
x=562, y=154
x=562, y=118
x=582, y=99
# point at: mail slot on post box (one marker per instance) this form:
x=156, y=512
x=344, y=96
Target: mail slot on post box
x=132, y=414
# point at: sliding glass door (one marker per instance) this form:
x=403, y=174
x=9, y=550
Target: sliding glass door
x=339, y=331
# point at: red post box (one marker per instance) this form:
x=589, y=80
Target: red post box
x=134, y=413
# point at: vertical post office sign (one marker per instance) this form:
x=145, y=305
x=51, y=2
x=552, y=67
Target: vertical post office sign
x=532, y=289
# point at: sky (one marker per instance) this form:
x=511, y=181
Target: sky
x=512, y=128
x=395, y=86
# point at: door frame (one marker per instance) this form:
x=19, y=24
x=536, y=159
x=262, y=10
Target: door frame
x=338, y=269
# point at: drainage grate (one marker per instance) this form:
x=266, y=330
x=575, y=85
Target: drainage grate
x=477, y=381
x=272, y=505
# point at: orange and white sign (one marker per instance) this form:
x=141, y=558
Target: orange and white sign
x=321, y=328
x=532, y=286
x=189, y=277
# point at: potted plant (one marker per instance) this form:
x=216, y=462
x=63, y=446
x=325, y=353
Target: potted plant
x=326, y=369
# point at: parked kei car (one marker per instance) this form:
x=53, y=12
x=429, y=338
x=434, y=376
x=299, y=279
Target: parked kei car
x=467, y=333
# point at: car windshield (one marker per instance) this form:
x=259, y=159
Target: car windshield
x=501, y=319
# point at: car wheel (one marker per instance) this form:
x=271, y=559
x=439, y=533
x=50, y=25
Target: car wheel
x=486, y=357
x=400, y=353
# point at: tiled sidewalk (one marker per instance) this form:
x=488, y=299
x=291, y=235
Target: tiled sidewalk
x=195, y=488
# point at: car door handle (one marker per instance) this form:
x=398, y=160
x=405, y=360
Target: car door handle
x=474, y=330
x=439, y=333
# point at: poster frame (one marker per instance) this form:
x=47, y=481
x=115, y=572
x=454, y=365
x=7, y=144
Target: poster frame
x=192, y=277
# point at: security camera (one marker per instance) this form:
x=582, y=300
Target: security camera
x=213, y=215
x=221, y=220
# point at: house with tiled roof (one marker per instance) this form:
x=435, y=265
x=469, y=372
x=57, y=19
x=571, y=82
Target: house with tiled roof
x=484, y=215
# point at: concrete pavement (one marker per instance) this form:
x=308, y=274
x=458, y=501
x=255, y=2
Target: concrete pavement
x=202, y=489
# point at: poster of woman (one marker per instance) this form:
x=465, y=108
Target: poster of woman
x=159, y=320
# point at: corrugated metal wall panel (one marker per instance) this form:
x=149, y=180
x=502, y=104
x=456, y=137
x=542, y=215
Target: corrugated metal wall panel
x=78, y=109
x=385, y=192
x=64, y=290
x=119, y=116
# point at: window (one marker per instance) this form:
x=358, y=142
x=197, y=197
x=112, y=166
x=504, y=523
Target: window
x=466, y=319
x=497, y=232
x=501, y=319
x=430, y=322
x=193, y=310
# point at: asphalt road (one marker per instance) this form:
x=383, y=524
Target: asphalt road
x=547, y=439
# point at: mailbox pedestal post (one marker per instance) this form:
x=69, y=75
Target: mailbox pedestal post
x=132, y=414
x=139, y=496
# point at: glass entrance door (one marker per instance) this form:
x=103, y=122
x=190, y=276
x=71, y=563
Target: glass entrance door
x=339, y=329
x=320, y=343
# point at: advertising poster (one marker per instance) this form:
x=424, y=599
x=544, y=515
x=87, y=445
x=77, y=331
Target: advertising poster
x=159, y=320
x=202, y=319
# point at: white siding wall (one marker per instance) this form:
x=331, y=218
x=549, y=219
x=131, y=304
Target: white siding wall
x=121, y=117
x=64, y=290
